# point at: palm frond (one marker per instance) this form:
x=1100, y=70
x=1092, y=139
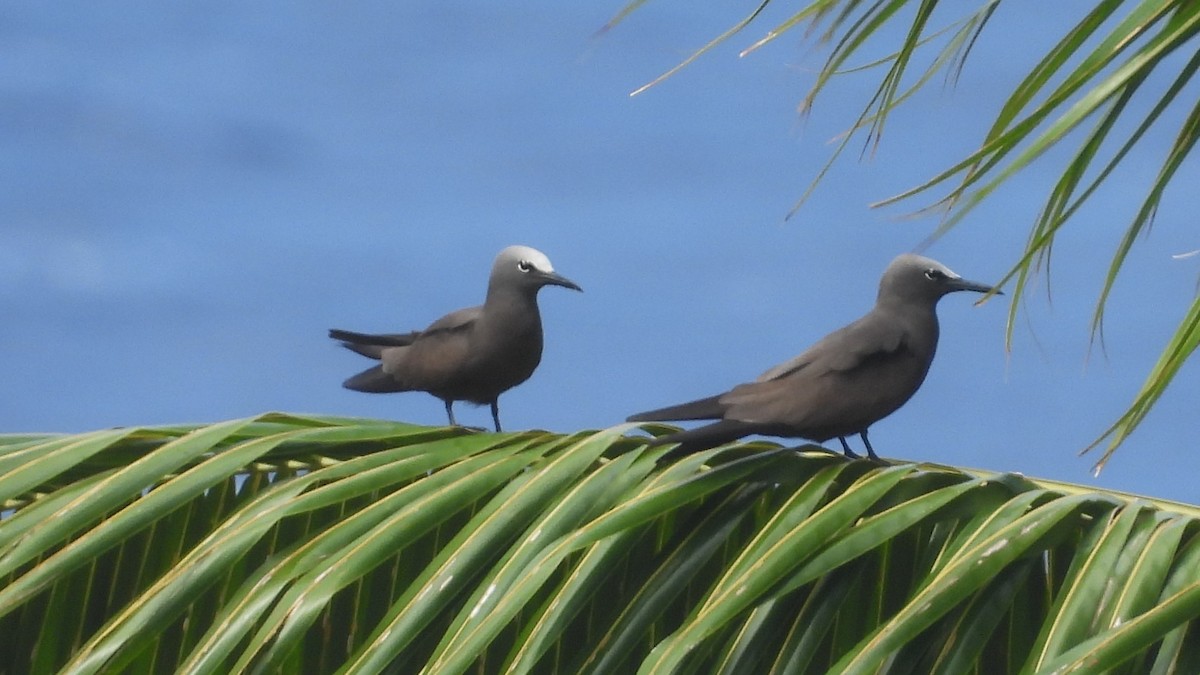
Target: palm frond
x=284, y=543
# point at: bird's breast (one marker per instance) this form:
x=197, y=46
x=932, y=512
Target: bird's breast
x=502, y=356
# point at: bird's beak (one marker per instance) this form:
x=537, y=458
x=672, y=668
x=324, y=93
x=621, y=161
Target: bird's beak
x=556, y=279
x=961, y=284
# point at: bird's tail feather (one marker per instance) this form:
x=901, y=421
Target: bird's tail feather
x=373, y=381
x=371, y=346
x=380, y=340
x=703, y=438
x=369, y=351
x=701, y=409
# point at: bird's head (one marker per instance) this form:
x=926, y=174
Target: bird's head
x=525, y=268
x=914, y=278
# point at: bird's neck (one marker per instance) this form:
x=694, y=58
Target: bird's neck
x=919, y=322
x=512, y=311
x=511, y=298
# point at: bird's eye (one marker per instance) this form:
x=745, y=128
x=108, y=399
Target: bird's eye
x=934, y=274
x=525, y=266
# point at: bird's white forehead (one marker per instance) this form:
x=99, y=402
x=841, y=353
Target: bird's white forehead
x=529, y=255
x=945, y=270
x=914, y=260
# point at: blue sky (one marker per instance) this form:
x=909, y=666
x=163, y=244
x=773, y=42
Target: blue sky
x=194, y=193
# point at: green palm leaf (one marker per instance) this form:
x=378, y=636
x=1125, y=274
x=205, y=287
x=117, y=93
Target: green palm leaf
x=287, y=544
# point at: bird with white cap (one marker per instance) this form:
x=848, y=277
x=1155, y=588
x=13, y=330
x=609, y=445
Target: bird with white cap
x=473, y=354
x=844, y=383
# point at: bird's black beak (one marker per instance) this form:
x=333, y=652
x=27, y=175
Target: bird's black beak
x=961, y=284
x=556, y=279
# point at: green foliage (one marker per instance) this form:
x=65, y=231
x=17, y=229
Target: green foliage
x=1118, y=69
x=305, y=544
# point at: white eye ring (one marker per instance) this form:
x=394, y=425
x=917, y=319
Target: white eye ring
x=525, y=266
x=934, y=274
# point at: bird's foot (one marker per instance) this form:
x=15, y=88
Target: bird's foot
x=870, y=451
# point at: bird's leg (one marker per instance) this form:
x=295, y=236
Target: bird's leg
x=450, y=412
x=496, y=413
x=870, y=451
x=846, y=448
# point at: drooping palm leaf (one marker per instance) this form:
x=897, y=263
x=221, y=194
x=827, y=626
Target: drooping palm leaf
x=289, y=544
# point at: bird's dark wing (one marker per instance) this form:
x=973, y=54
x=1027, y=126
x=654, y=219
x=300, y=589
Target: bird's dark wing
x=454, y=322
x=861, y=342
x=844, y=349
x=839, y=386
x=372, y=345
x=439, y=359
x=701, y=409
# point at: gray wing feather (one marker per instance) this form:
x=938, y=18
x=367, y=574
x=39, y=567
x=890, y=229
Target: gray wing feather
x=844, y=349
x=452, y=322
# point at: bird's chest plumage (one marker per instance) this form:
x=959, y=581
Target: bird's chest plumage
x=517, y=349
x=505, y=352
